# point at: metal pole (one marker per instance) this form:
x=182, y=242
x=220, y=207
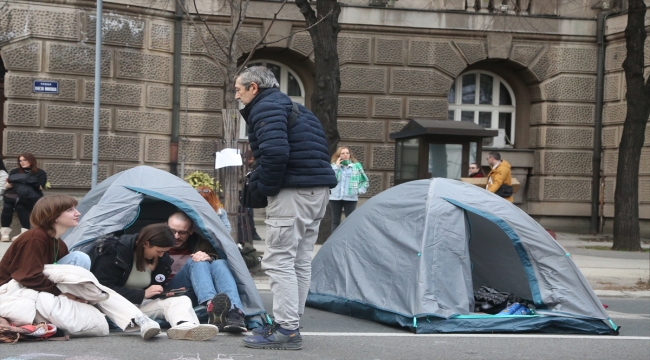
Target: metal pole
x=598, y=121
x=98, y=63
x=176, y=88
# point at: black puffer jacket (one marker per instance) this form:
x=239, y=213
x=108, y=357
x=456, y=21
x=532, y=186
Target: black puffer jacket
x=27, y=185
x=114, y=261
x=286, y=158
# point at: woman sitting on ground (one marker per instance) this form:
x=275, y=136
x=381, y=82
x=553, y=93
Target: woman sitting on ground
x=137, y=266
x=27, y=257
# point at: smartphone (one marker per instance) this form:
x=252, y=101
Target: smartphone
x=173, y=292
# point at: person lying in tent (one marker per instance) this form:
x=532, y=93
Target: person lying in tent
x=197, y=267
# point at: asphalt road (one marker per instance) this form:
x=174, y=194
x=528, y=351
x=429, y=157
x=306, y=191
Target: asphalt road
x=332, y=336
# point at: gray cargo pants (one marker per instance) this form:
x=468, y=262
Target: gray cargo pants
x=292, y=220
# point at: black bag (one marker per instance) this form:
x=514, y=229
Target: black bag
x=11, y=196
x=246, y=198
x=504, y=191
x=491, y=301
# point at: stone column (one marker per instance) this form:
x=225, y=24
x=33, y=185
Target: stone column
x=523, y=6
x=483, y=5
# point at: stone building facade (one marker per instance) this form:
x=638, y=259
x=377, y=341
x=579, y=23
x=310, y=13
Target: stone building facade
x=396, y=63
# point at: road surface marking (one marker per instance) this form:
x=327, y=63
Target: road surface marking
x=509, y=336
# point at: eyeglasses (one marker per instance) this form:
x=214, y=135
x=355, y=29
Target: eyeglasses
x=205, y=191
x=181, y=232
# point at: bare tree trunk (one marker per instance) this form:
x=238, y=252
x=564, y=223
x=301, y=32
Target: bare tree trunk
x=626, y=199
x=324, y=36
x=325, y=99
x=233, y=174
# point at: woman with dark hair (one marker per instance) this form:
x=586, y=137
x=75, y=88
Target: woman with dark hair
x=25, y=262
x=137, y=266
x=23, y=188
x=475, y=171
x=214, y=201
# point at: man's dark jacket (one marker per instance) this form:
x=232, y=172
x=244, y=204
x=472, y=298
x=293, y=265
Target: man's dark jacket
x=297, y=158
x=114, y=261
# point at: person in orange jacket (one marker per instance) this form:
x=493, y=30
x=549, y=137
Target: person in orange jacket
x=499, y=178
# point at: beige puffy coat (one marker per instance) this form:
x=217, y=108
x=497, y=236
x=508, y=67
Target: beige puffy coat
x=22, y=306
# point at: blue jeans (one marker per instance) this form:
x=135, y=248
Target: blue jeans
x=77, y=258
x=206, y=279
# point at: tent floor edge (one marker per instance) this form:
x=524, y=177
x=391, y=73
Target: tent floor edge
x=487, y=324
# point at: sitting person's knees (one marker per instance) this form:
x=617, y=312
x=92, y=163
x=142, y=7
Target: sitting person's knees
x=81, y=259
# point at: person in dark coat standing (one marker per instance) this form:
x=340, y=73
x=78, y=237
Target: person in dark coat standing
x=24, y=187
x=293, y=172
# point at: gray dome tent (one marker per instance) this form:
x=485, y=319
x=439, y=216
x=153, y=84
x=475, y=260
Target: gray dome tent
x=413, y=256
x=132, y=199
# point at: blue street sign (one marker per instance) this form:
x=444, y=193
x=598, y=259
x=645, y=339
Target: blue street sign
x=46, y=87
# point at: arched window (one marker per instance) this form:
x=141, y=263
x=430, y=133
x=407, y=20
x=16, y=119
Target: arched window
x=486, y=99
x=290, y=84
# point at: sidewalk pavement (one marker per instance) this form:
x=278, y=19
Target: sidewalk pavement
x=610, y=273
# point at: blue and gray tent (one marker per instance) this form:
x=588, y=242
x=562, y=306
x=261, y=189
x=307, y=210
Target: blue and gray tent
x=414, y=255
x=132, y=199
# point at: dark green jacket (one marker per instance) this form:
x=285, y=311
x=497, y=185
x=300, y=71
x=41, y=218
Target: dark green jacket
x=249, y=253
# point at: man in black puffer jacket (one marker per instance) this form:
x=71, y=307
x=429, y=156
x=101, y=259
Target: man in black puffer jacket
x=293, y=171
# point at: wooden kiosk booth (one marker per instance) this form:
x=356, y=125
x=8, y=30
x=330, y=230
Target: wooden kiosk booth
x=427, y=148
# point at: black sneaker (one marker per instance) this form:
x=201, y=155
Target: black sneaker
x=217, y=309
x=235, y=321
x=276, y=338
x=256, y=236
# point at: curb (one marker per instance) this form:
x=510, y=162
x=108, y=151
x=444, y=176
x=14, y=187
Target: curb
x=640, y=294
x=262, y=283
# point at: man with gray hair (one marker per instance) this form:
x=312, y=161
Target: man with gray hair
x=292, y=171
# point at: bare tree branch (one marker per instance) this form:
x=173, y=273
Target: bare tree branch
x=250, y=54
x=299, y=31
x=207, y=28
x=207, y=48
x=307, y=11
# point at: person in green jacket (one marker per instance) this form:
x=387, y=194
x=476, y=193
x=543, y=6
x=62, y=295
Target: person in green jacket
x=352, y=181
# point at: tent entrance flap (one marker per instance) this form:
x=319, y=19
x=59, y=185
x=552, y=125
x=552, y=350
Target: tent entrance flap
x=496, y=236
x=199, y=226
x=152, y=210
x=495, y=262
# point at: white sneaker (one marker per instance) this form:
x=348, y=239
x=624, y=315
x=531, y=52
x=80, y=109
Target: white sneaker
x=148, y=327
x=189, y=331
